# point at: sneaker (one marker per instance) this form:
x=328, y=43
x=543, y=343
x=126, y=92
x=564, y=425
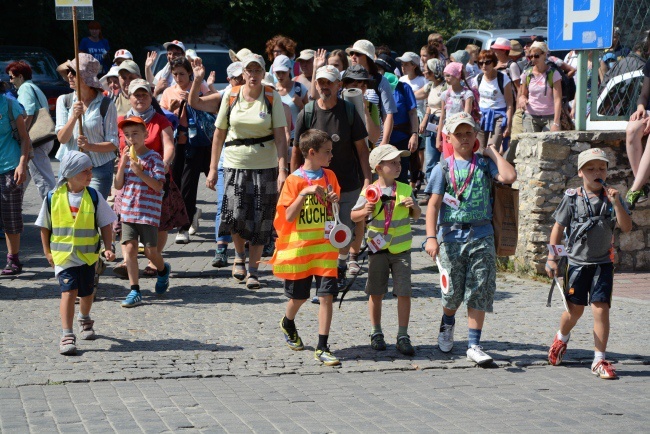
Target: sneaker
x=133, y=299
x=162, y=282
x=291, y=338
x=315, y=300
x=377, y=342
x=342, y=279
x=269, y=249
x=604, y=369
x=556, y=352
x=140, y=248
x=194, y=227
x=354, y=268
x=86, y=331
x=68, y=346
x=446, y=337
x=12, y=268
x=220, y=259
x=404, y=345
x=476, y=354
x=252, y=282
x=326, y=357
x=183, y=237
x=632, y=197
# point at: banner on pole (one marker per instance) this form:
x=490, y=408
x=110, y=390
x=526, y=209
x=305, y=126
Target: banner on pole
x=63, y=9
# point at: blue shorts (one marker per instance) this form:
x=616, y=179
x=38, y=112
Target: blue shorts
x=81, y=278
x=584, y=287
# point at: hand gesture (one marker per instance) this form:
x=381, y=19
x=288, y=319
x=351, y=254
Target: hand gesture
x=432, y=247
x=408, y=202
x=151, y=58
x=320, y=58
x=78, y=109
x=198, y=69
x=211, y=78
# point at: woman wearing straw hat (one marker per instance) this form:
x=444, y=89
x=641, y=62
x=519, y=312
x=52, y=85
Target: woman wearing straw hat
x=99, y=120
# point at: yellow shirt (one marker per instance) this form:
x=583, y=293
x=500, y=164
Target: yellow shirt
x=250, y=120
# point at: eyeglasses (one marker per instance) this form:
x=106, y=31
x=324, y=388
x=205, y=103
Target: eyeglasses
x=487, y=62
x=254, y=71
x=354, y=53
x=278, y=51
x=72, y=71
x=534, y=56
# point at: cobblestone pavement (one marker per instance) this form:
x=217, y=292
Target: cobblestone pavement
x=209, y=355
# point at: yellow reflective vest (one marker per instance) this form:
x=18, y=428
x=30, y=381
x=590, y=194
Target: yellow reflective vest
x=399, y=236
x=71, y=235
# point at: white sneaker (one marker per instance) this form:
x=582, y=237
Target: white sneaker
x=446, y=337
x=182, y=237
x=476, y=354
x=194, y=227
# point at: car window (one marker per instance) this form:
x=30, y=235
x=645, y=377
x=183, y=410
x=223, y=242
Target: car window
x=460, y=44
x=213, y=61
x=42, y=64
x=621, y=97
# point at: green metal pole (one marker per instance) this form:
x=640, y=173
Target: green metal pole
x=581, y=92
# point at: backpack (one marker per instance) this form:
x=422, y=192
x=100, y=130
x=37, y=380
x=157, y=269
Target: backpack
x=583, y=225
x=234, y=97
x=476, y=111
x=204, y=124
x=568, y=84
x=103, y=106
x=309, y=113
x=500, y=81
x=377, y=79
x=93, y=196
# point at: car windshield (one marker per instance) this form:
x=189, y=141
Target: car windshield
x=42, y=64
x=212, y=61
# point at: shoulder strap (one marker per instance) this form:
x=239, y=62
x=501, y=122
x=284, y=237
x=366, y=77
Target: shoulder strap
x=36, y=97
x=268, y=98
x=479, y=79
x=500, y=82
x=67, y=100
x=49, y=201
x=95, y=198
x=103, y=107
x=350, y=109
x=309, y=114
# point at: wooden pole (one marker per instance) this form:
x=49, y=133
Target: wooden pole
x=76, y=58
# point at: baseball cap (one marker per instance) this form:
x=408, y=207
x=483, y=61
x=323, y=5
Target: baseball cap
x=130, y=66
x=410, y=56
x=253, y=58
x=175, y=43
x=591, y=154
x=384, y=153
x=306, y=55
x=123, y=54
x=329, y=72
x=281, y=63
x=139, y=83
x=455, y=120
x=234, y=70
x=131, y=120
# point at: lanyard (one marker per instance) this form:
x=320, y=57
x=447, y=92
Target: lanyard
x=327, y=187
x=472, y=167
x=590, y=210
x=388, y=209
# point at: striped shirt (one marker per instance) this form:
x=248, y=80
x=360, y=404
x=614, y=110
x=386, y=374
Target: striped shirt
x=95, y=128
x=140, y=203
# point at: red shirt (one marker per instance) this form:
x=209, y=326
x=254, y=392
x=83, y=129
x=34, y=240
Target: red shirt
x=155, y=127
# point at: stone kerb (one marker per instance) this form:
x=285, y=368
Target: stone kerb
x=546, y=166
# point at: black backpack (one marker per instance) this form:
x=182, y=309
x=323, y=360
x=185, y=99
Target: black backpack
x=568, y=84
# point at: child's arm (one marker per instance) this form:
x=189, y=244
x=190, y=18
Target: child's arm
x=414, y=208
x=107, y=236
x=507, y=173
x=45, y=240
x=361, y=213
x=555, y=239
x=469, y=102
x=155, y=184
x=119, y=176
x=623, y=218
x=431, y=245
x=293, y=210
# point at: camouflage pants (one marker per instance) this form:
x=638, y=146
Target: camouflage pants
x=472, y=273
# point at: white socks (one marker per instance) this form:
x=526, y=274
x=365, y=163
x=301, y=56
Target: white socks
x=563, y=338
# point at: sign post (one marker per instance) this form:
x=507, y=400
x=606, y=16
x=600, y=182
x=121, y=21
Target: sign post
x=581, y=25
x=74, y=10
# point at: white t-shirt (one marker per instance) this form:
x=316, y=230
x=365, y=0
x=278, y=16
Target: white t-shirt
x=417, y=83
x=490, y=96
x=104, y=213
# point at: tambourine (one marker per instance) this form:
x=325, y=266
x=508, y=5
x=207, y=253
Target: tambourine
x=373, y=193
x=444, y=277
x=340, y=235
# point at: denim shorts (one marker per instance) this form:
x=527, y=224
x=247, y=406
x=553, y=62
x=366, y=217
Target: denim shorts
x=472, y=273
x=81, y=278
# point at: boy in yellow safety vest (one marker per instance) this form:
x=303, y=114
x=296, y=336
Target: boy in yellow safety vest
x=389, y=241
x=303, y=250
x=69, y=218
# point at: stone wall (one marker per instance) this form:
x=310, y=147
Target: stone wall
x=546, y=166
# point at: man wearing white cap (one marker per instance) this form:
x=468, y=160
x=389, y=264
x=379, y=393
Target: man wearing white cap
x=163, y=78
x=121, y=56
x=350, y=152
x=306, y=62
x=127, y=72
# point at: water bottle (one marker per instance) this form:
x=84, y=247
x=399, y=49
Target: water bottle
x=191, y=127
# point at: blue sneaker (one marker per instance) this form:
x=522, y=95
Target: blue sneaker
x=133, y=299
x=162, y=283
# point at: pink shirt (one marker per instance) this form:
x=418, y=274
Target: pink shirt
x=540, y=94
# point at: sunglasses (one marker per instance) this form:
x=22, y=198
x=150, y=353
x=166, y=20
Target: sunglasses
x=487, y=62
x=71, y=71
x=11, y=77
x=535, y=56
x=354, y=53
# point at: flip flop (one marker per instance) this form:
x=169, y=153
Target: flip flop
x=150, y=271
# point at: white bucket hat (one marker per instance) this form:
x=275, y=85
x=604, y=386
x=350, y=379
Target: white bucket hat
x=363, y=46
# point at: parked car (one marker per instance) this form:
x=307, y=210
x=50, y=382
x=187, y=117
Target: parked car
x=214, y=57
x=44, y=73
x=485, y=38
x=618, y=98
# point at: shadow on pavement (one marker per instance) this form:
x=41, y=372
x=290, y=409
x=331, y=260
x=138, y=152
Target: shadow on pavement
x=125, y=346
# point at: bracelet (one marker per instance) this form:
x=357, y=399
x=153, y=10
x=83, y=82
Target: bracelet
x=556, y=124
x=286, y=169
x=427, y=239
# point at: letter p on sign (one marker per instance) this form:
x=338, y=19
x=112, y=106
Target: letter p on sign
x=571, y=16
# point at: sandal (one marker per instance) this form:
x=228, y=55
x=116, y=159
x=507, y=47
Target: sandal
x=121, y=271
x=239, y=270
x=354, y=268
x=150, y=271
x=12, y=268
x=252, y=282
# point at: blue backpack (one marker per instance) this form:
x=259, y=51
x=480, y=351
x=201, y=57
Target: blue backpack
x=200, y=126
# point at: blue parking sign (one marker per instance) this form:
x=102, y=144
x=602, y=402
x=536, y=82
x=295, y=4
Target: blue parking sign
x=580, y=24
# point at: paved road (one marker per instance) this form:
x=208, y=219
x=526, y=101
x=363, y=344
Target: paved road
x=209, y=356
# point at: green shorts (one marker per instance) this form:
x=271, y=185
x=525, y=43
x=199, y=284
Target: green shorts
x=379, y=267
x=472, y=273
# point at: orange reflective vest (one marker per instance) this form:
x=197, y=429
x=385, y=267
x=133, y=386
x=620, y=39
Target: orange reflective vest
x=301, y=249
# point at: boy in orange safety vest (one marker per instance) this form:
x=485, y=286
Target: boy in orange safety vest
x=303, y=252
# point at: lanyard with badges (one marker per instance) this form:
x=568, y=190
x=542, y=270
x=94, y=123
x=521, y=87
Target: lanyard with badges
x=389, y=208
x=590, y=210
x=472, y=168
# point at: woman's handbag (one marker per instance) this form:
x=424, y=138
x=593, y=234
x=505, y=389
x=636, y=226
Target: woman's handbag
x=41, y=130
x=505, y=219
